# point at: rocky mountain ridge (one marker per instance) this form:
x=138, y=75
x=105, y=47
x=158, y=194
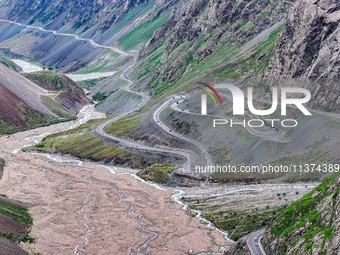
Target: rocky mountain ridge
x=308, y=52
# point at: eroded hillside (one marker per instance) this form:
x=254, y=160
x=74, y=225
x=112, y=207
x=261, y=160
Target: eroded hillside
x=309, y=225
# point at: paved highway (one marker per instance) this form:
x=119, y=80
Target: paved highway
x=158, y=121
x=101, y=129
x=253, y=242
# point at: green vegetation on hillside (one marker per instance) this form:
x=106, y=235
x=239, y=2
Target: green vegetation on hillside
x=54, y=106
x=175, y=61
x=143, y=32
x=36, y=119
x=124, y=126
x=109, y=61
x=21, y=216
x=80, y=143
x=2, y=165
x=239, y=224
x=49, y=80
x=306, y=213
x=88, y=84
x=2, y=162
x=100, y=97
x=16, y=213
x=127, y=17
x=33, y=119
x=159, y=173
x=9, y=63
x=7, y=128
x=256, y=62
x=66, y=91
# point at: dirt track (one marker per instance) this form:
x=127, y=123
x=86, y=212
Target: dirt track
x=86, y=209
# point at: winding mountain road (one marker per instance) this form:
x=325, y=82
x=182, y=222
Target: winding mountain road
x=158, y=121
x=92, y=42
x=254, y=244
x=101, y=129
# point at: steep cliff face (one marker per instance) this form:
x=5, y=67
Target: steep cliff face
x=310, y=225
x=308, y=52
x=309, y=45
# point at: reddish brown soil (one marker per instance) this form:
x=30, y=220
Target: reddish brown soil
x=9, y=248
x=8, y=225
x=12, y=107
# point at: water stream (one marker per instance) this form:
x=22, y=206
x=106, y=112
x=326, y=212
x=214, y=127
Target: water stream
x=76, y=165
x=57, y=160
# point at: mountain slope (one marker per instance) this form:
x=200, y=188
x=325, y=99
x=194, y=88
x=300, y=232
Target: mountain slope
x=26, y=90
x=24, y=104
x=310, y=225
x=71, y=97
x=9, y=63
x=16, y=115
x=104, y=21
x=12, y=108
x=76, y=14
x=200, y=35
x=308, y=52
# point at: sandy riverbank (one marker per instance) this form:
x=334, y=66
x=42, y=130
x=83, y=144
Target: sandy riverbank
x=76, y=209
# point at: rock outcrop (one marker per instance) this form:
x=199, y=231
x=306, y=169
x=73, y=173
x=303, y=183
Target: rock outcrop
x=309, y=44
x=308, y=52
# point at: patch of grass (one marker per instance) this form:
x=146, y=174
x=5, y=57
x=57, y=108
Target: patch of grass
x=143, y=32
x=149, y=63
x=124, y=126
x=257, y=62
x=36, y=119
x=304, y=212
x=7, y=128
x=239, y=224
x=49, y=80
x=127, y=17
x=2, y=162
x=80, y=143
x=159, y=173
x=88, y=84
x=8, y=63
x=54, y=106
x=18, y=214
x=33, y=119
x=100, y=97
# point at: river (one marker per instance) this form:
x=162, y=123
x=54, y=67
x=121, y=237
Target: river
x=28, y=67
x=83, y=207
